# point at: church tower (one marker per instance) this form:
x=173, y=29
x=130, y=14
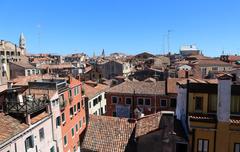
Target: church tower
x=22, y=44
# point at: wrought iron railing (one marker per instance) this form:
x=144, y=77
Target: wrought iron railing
x=26, y=107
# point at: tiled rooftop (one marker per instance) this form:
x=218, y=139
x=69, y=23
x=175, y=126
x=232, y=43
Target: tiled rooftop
x=93, y=91
x=147, y=124
x=107, y=134
x=10, y=127
x=139, y=88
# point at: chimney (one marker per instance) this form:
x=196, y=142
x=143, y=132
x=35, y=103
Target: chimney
x=9, y=84
x=28, y=119
x=224, y=97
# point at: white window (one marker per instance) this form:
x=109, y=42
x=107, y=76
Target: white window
x=202, y=145
x=29, y=142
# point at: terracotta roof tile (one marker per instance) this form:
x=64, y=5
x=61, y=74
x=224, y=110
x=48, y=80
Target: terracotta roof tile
x=10, y=127
x=93, y=91
x=147, y=124
x=139, y=88
x=107, y=134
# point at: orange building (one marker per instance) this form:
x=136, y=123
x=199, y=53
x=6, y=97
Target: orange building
x=72, y=120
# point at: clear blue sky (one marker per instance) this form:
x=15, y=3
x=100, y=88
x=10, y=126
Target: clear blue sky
x=129, y=26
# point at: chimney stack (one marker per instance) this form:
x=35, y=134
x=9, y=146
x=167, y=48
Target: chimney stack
x=224, y=97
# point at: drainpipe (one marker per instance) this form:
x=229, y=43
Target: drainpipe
x=187, y=103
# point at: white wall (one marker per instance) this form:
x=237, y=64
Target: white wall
x=98, y=106
x=181, y=103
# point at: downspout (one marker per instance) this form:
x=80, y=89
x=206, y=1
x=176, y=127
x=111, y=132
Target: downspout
x=187, y=103
x=193, y=140
x=53, y=133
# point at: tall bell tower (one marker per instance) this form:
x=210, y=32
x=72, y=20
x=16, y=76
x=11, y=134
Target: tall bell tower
x=22, y=44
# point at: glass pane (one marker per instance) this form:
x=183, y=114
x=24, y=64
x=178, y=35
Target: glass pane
x=199, y=145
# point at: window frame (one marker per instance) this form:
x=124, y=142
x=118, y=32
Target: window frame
x=195, y=106
x=126, y=100
x=175, y=99
x=150, y=101
x=65, y=140
x=73, y=132
x=161, y=100
x=63, y=116
x=202, y=147
x=140, y=98
x=41, y=134
x=117, y=99
x=235, y=144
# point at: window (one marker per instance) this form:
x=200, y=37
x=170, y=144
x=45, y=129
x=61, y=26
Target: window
x=80, y=124
x=95, y=113
x=70, y=93
x=28, y=72
x=33, y=72
x=72, y=132
x=114, y=114
x=65, y=140
x=202, y=145
x=52, y=149
x=78, y=106
x=74, y=149
x=235, y=104
x=128, y=101
x=101, y=111
x=41, y=134
x=140, y=101
x=212, y=102
x=29, y=142
x=90, y=104
x=214, y=68
x=100, y=98
x=95, y=101
x=237, y=147
x=58, y=121
x=84, y=120
x=173, y=102
x=71, y=112
x=75, y=108
x=198, y=104
x=147, y=102
x=63, y=118
x=114, y=100
x=76, y=127
x=163, y=103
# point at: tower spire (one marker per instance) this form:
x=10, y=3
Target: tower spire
x=22, y=43
x=103, y=53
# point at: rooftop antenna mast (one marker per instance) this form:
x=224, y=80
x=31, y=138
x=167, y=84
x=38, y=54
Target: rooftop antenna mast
x=39, y=36
x=168, y=39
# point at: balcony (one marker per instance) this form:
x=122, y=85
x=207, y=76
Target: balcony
x=63, y=104
x=27, y=106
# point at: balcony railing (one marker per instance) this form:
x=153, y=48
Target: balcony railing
x=26, y=107
x=63, y=104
